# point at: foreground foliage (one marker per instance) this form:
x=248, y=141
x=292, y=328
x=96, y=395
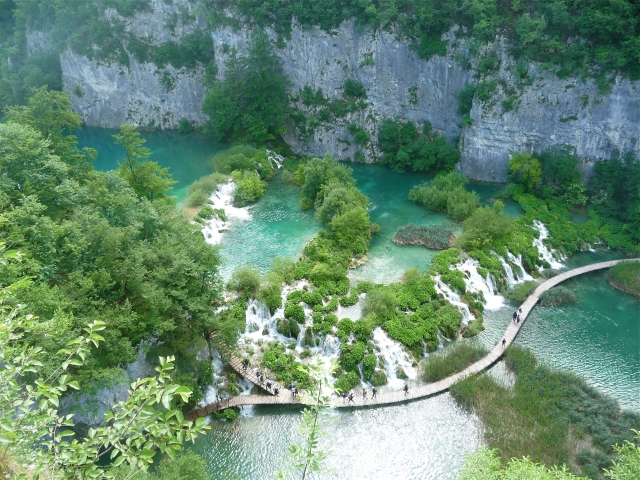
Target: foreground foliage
x=36, y=432
x=97, y=246
x=547, y=416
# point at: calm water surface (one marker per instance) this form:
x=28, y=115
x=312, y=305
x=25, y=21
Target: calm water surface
x=598, y=337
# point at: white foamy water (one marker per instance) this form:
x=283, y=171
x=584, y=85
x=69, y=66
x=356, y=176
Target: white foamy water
x=543, y=251
x=521, y=275
x=477, y=283
x=275, y=159
x=222, y=198
x=453, y=298
x=394, y=358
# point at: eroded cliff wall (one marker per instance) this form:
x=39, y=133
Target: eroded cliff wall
x=547, y=111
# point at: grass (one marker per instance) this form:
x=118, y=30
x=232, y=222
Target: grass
x=428, y=235
x=552, y=416
x=625, y=277
x=557, y=296
x=521, y=291
x=452, y=360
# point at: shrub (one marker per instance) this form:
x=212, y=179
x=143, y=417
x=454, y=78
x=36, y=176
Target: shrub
x=271, y=291
x=295, y=312
x=312, y=298
x=245, y=279
x=625, y=277
x=379, y=378
x=230, y=414
x=557, y=296
x=427, y=235
x=346, y=382
x=249, y=187
x=485, y=229
x=405, y=147
x=207, y=212
x=351, y=355
x=520, y=292
x=288, y=328
x=369, y=364
x=201, y=190
x=381, y=302
x=452, y=360
x=353, y=88
x=446, y=193
x=284, y=267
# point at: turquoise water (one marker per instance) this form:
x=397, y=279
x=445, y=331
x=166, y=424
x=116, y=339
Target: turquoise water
x=598, y=337
x=426, y=440
x=185, y=155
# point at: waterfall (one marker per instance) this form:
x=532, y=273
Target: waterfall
x=394, y=357
x=544, y=252
x=523, y=275
x=222, y=199
x=275, y=159
x=476, y=283
x=454, y=299
x=508, y=272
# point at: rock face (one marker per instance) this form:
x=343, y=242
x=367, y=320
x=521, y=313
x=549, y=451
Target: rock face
x=549, y=111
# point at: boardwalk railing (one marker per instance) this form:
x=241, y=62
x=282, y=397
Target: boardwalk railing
x=286, y=398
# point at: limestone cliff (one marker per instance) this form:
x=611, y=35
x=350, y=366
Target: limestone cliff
x=548, y=111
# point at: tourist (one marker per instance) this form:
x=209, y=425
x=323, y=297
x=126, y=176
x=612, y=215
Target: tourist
x=504, y=342
x=219, y=401
x=515, y=315
x=374, y=390
x=269, y=385
x=293, y=392
x=245, y=364
x=364, y=393
x=406, y=389
x=261, y=379
x=351, y=397
x=344, y=396
x=276, y=392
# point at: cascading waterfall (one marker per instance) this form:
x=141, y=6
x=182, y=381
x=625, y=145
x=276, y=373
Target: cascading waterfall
x=510, y=278
x=222, y=199
x=454, y=299
x=543, y=251
x=477, y=283
x=394, y=358
x=275, y=159
x=522, y=275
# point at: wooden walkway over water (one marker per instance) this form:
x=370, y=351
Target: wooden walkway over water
x=386, y=398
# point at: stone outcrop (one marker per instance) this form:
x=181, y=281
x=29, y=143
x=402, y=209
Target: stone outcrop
x=549, y=111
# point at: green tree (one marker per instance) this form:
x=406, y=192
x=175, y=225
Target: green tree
x=34, y=431
x=317, y=173
x=524, y=168
x=486, y=228
x=250, y=102
x=147, y=178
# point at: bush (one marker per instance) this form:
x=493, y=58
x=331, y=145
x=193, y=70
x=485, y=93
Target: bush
x=486, y=228
x=288, y=328
x=351, y=355
x=207, y=212
x=520, y=292
x=557, y=296
x=249, y=187
x=346, y=382
x=446, y=193
x=405, y=147
x=284, y=267
x=245, y=279
x=427, y=235
x=353, y=88
x=230, y=414
x=452, y=360
x=201, y=190
x=369, y=363
x=381, y=302
x=271, y=291
x=294, y=312
x=379, y=378
x=625, y=277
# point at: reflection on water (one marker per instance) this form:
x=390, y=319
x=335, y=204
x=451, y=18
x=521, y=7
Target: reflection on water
x=426, y=439
x=185, y=155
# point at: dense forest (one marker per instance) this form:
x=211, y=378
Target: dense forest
x=100, y=269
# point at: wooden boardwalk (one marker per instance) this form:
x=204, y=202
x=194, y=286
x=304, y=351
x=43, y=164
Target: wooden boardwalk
x=285, y=397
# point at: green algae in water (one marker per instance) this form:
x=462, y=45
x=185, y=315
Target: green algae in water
x=185, y=155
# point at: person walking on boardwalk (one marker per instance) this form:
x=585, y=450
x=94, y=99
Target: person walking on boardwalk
x=269, y=385
x=276, y=392
x=515, y=315
x=219, y=400
x=374, y=391
x=245, y=363
x=364, y=393
x=406, y=389
x=344, y=396
x=504, y=342
x=351, y=397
